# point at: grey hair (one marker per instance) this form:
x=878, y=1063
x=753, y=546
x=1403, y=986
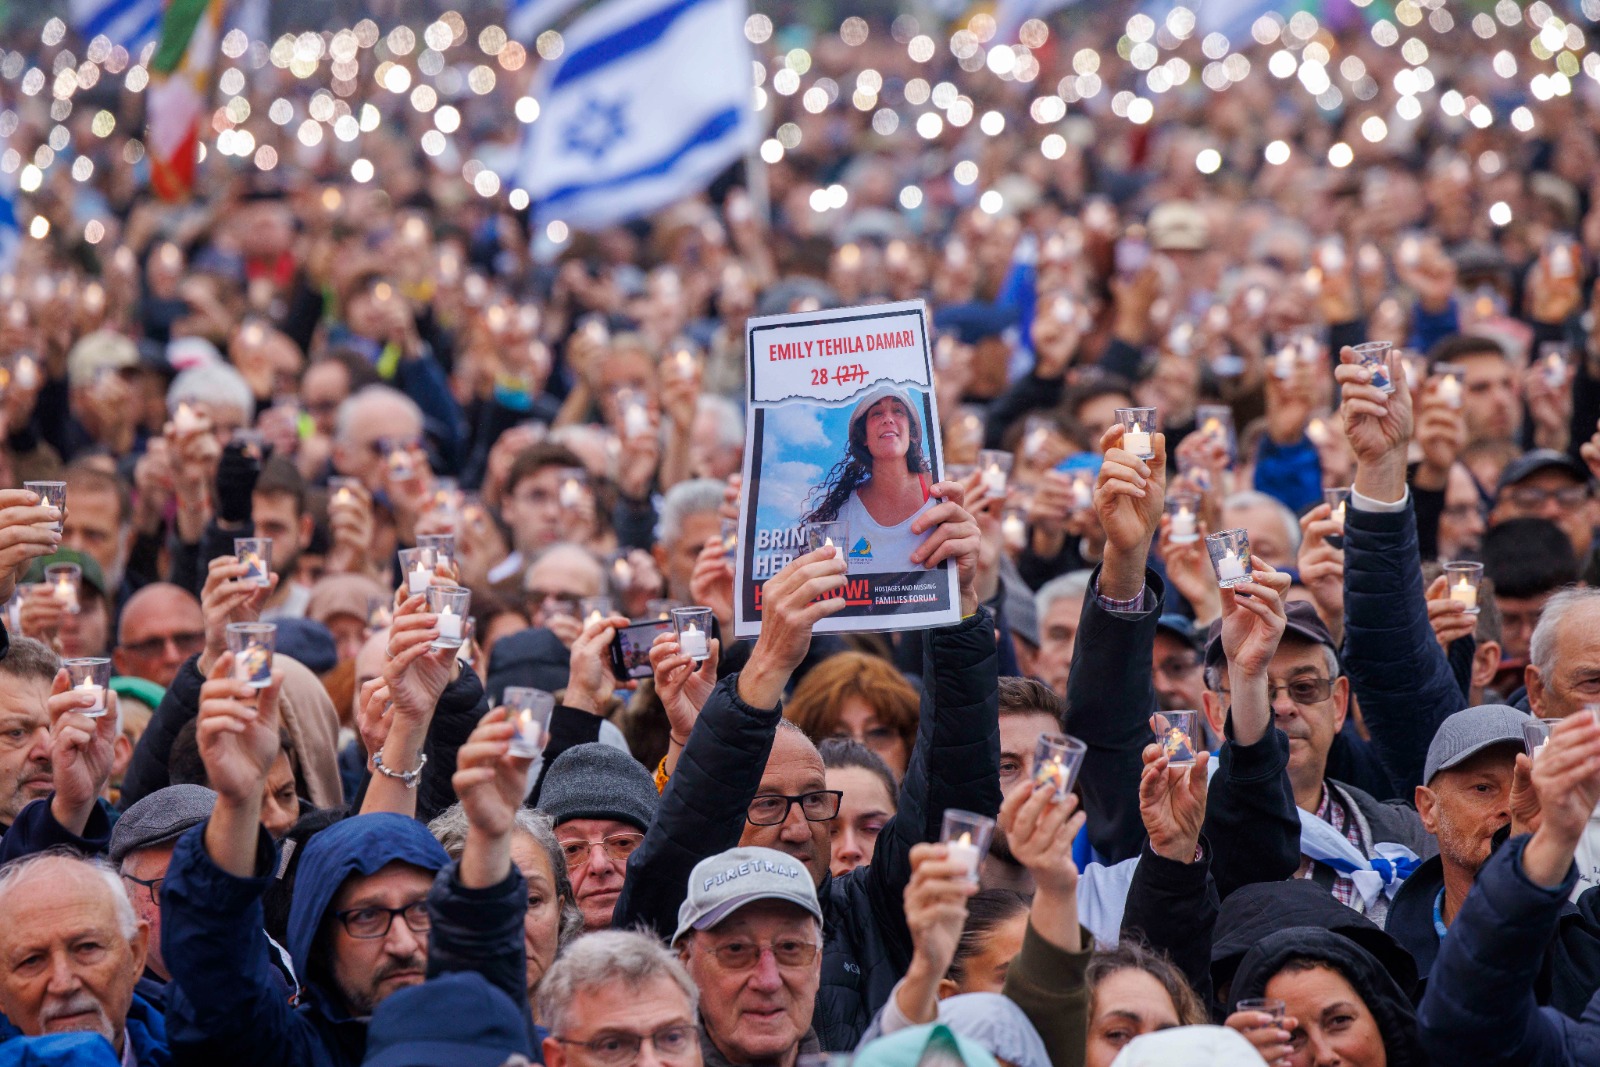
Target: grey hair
x=698, y=497
x=1251, y=498
x=1542, y=647
x=449, y=828
x=15, y=871
x=30, y=659
x=369, y=396
x=1214, y=672
x=603, y=958
x=577, y=551
x=1071, y=584
x=726, y=416
x=213, y=383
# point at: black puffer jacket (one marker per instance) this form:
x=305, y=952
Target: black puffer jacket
x=866, y=946
x=1396, y=1018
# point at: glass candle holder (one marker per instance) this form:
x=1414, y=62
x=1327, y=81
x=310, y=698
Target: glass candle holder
x=66, y=583
x=1450, y=376
x=1374, y=355
x=591, y=608
x=1183, y=510
x=1082, y=491
x=256, y=554
x=966, y=836
x=828, y=535
x=1553, y=363
x=380, y=613
x=51, y=495
x=684, y=364
x=994, y=470
x=574, y=490
x=90, y=676
x=1014, y=529
x=1338, y=501
x=1283, y=361
x=187, y=419
x=693, y=627
x=1230, y=556
x=252, y=645
x=450, y=603
x=1175, y=732
x=1137, y=426
x=633, y=412
x=728, y=530
x=1416, y=367
x=528, y=711
x=660, y=608
x=417, y=563
x=441, y=548
x=1462, y=580
x=1535, y=733
x=1216, y=420
x=1056, y=759
x=1266, y=1006
x=343, y=491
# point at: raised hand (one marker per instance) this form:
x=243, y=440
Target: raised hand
x=1378, y=427
x=952, y=534
x=682, y=686
x=27, y=532
x=82, y=750
x=1172, y=803
x=1039, y=831
x=1322, y=565
x=237, y=732
x=416, y=673
x=1253, y=619
x=589, y=675
x=1448, y=618
x=1566, y=777
x=936, y=904
x=711, y=581
x=1130, y=493
x=792, y=602
x=1269, y=1036
x=489, y=781
x=227, y=597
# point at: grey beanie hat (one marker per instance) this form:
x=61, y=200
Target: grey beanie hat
x=161, y=817
x=597, y=781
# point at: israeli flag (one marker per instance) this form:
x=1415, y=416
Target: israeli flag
x=130, y=23
x=10, y=228
x=650, y=100
x=527, y=19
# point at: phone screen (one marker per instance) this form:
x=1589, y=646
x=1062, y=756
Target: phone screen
x=630, y=648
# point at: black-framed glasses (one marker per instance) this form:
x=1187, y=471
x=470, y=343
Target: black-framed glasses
x=617, y=1047
x=372, y=921
x=1301, y=690
x=771, y=809
x=1178, y=666
x=618, y=848
x=1531, y=497
x=151, y=886
x=787, y=951
x=186, y=643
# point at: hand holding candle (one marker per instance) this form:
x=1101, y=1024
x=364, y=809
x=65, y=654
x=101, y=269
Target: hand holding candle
x=1463, y=579
x=450, y=604
x=529, y=712
x=966, y=836
x=90, y=677
x=693, y=625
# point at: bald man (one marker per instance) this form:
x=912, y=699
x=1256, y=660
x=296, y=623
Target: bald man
x=161, y=626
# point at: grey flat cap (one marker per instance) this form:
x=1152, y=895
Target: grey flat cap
x=1466, y=733
x=161, y=817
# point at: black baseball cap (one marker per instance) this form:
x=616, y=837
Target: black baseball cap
x=1540, y=459
x=1303, y=622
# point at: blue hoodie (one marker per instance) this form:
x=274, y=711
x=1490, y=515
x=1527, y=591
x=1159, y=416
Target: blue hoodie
x=224, y=1000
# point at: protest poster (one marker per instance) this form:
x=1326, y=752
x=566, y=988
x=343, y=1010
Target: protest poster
x=843, y=428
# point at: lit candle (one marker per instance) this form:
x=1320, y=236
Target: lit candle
x=255, y=569
x=994, y=479
x=186, y=420
x=449, y=625
x=1212, y=426
x=1317, y=432
x=88, y=688
x=1229, y=568
x=1183, y=528
x=693, y=643
x=683, y=362
x=1338, y=514
x=1052, y=772
x=964, y=850
x=343, y=496
x=67, y=593
x=622, y=573
x=1555, y=370
x=1283, y=364
x=530, y=734
x=1137, y=440
x=1015, y=531
x=636, y=421
x=419, y=579
x=1036, y=442
x=1450, y=390
x=1465, y=592
x=27, y=373
x=1082, y=497
x=571, y=494
x=594, y=616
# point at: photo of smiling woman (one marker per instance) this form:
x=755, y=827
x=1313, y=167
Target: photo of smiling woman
x=881, y=484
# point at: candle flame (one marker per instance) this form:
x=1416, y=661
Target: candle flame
x=965, y=840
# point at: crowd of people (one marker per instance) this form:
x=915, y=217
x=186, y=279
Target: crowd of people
x=293, y=802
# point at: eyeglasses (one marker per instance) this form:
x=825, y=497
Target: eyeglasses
x=618, y=848
x=185, y=643
x=1301, y=690
x=553, y=603
x=743, y=955
x=373, y=922
x=876, y=737
x=1178, y=666
x=151, y=885
x=1462, y=512
x=1530, y=498
x=619, y=1047
x=770, y=809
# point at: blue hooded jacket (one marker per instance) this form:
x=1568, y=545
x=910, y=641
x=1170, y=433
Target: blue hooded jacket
x=224, y=1000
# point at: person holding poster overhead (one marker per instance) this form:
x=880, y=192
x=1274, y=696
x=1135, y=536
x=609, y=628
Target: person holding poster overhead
x=881, y=484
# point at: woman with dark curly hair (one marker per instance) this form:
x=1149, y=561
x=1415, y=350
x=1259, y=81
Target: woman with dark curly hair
x=882, y=483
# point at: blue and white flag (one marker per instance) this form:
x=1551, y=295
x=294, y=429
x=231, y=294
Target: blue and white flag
x=131, y=23
x=527, y=19
x=649, y=102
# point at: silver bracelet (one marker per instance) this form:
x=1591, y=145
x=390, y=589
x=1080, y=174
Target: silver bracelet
x=408, y=778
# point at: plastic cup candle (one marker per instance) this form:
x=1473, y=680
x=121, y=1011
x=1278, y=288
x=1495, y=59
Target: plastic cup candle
x=1183, y=528
x=256, y=554
x=26, y=372
x=344, y=490
x=65, y=580
x=693, y=626
x=1449, y=375
x=1216, y=420
x=51, y=495
x=418, y=566
x=684, y=364
x=440, y=550
x=729, y=531
x=570, y=495
x=1137, y=424
x=994, y=469
x=1553, y=364
x=591, y=608
x=1266, y=1006
x=1175, y=733
x=1336, y=499
x=1283, y=363
x=1463, y=579
x=529, y=711
x=1230, y=556
x=1374, y=355
x=450, y=604
x=90, y=677
x=1535, y=733
x=252, y=645
x=834, y=535
x=966, y=838
x=1014, y=529
x=1056, y=759
x=186, y=420
x=1082, y=491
